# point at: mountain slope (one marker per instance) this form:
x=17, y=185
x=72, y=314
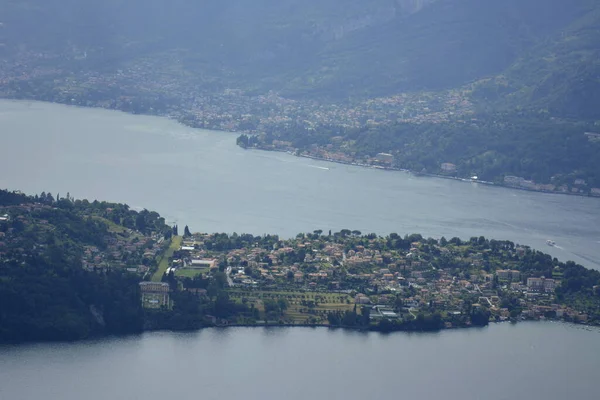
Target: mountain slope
x=47, y=291
x=560, y=75
x=447, y=44
x=314, y=48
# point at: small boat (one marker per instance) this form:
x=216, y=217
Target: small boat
x=550, y=242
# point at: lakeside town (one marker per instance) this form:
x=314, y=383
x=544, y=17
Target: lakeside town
x=149, y=86
x=129, y=244
x=324, y=279
x=447, y=170
x=179, y=280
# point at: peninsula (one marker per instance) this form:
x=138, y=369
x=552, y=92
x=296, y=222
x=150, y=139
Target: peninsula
x=73, y=269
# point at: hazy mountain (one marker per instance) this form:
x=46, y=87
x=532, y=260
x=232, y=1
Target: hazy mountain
x=446, y=44
x=560, y=74
x=334, y=48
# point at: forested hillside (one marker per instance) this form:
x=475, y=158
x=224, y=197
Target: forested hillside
x=70, y=270
x=46, y=292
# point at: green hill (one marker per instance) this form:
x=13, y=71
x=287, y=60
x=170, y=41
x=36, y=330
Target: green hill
x=70, y=269
x=53, y=283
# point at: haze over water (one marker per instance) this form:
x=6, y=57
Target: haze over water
x=202, y=179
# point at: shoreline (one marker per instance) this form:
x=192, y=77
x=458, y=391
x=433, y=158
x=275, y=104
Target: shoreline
x=356, y=164
x=419, y=174
x=364, y=330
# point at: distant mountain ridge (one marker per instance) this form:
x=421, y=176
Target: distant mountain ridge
x=335, y=49
x=560, y=75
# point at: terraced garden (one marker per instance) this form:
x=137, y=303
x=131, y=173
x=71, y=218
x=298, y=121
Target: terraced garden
x=302, y=307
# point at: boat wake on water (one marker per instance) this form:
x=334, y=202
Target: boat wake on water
x=588, y=259
x=595, y=262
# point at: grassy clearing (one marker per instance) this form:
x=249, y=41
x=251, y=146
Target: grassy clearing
x=190, y=273
x=164, y=261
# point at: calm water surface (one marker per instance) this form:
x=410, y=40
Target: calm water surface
x=201, y=178
x=549, y=361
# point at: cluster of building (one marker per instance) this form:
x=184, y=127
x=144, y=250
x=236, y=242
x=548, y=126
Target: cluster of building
x=191, y=258
x=126, y=249
x=129, y=250
x=398, y=281
x=576, y=186
x=541, y=284
x=153, y=87
x=156, y=87
x=28, y=66
x=11, y=241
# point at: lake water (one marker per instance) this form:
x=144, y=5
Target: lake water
x=201, y=178
x=550, y=361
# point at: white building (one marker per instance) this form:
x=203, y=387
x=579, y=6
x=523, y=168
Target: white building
x=508, y=275
x=541, y=284
x=155, y=294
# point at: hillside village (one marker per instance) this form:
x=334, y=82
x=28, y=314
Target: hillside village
x=111, y=237
x=154, y=86
x=309, y=128
x=342, y=278
x=394, y=278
